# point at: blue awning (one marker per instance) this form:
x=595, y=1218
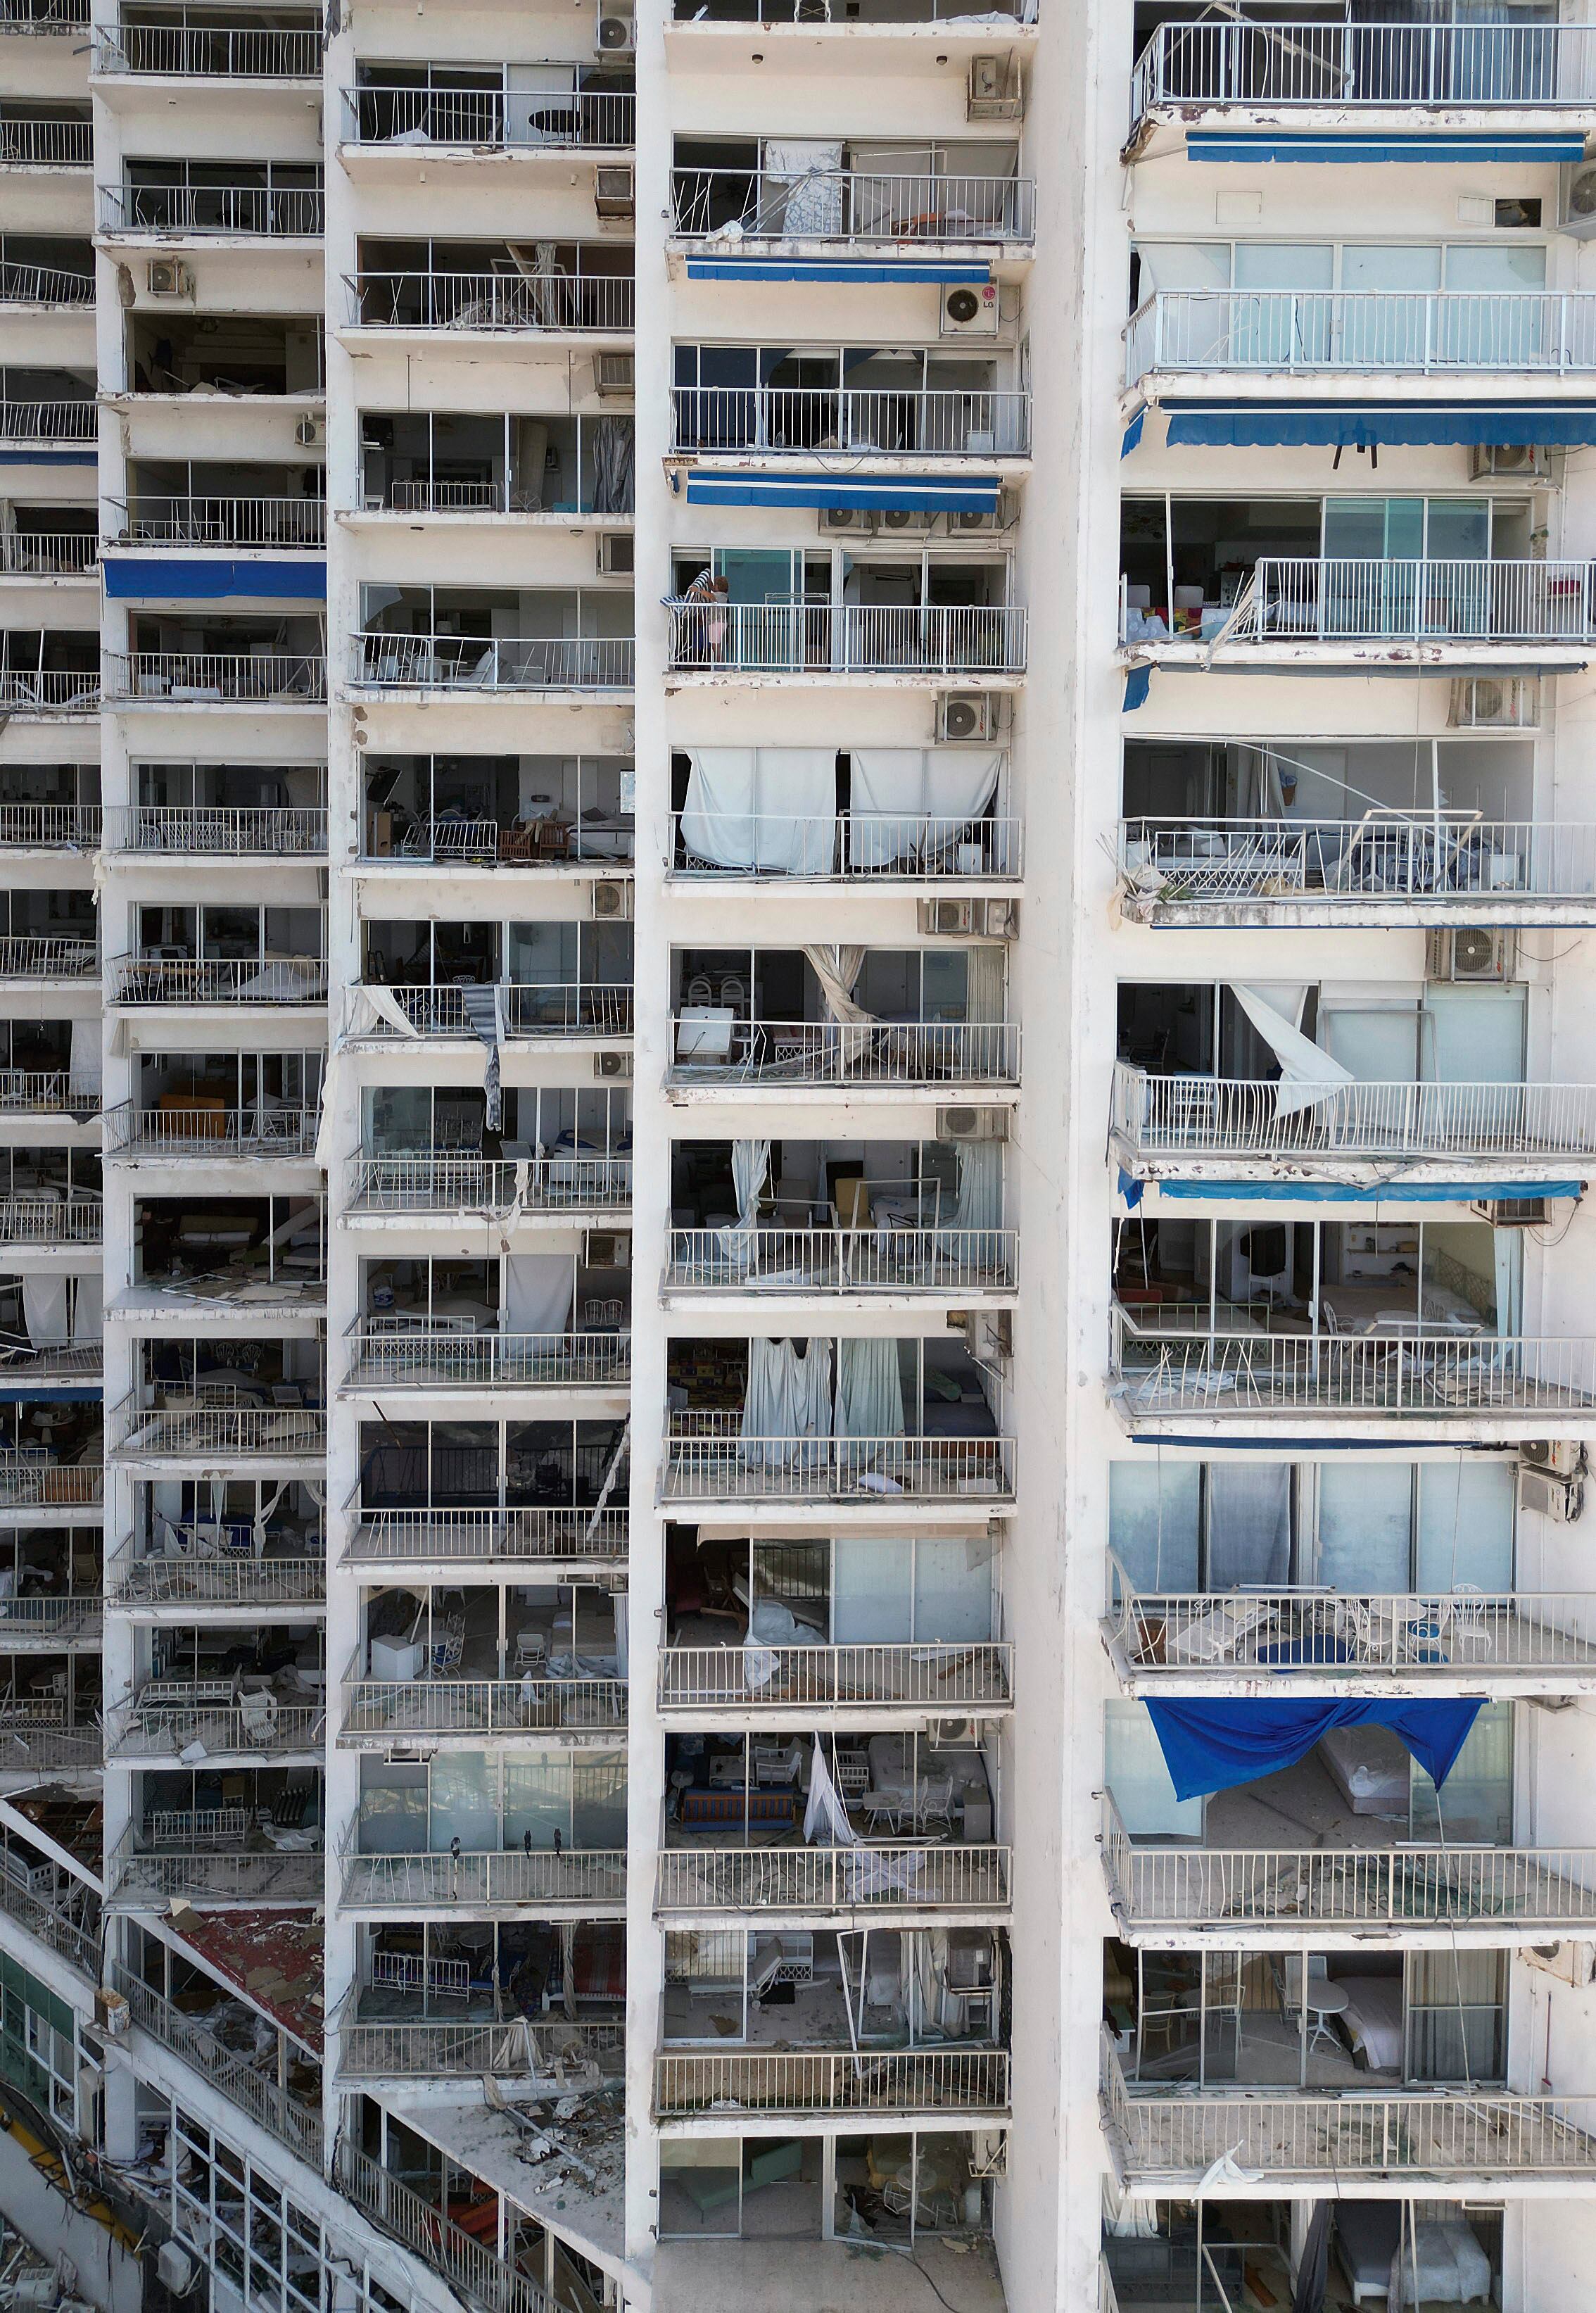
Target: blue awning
x=859, y=269
x=90, y=457
x=1304, y=145
x=1387, y=1192
x=1378, y=424
x=160, y=578
x=1133, y=434
x=912, y=493
x=35, y=1393
x=1213, y=1747
x=1139, y=682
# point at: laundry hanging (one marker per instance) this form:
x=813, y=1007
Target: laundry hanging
x=1214, y=1747
x=1308, y=1075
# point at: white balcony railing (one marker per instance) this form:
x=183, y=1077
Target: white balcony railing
x=163, y=1731
x=32, y=1744
x=1299, y=599
x=46, y=144
x=46, y=1092
x=707, y=1459
x=55, y=957
x=150, y=1878
x=941, y=2081
x=447, y=1184
x=262, y=212
x=971, y=1675
x=934, y=1053
x=511, y=1878
x=51, y=826
x=1505, y=65
x=161, y=519
x=65, y=1917
x=212, y=1134
x=50, y=1219
x=44, y=284
x=837, y=1260
x=851, y=205
x=201, y=678
x=797, y=637
x=212, y=1427
x=877, y=846
x=238, y=2077
x=200, y=51
x=44, y=18
x=472, y=1537
x=875, y=1874
x=62, y=1621
x=395, y=1351
x=27, y=1480
x=383, y=1708
x=49, y=421
x=798, y=421
x=1451, y=856
x=1403, y=330
x=1157, y=1367
x=265, y=831
x=557, y=1009
x=479, y=2275
x=562, y=304
x=487, y=119
x=218, y=979
x=21, y=1360
x=47, y=554
x=423, y=2047
x=527, y=663
x=1158, y=1116
x=216, y=1581
x=49, y=690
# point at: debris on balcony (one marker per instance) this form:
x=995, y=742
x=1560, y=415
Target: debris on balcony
x=273, y=1957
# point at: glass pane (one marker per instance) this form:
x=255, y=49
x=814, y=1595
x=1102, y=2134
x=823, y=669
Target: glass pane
x=1284, y=264
x=1465, y=1526
x=874, y=1590
x=464, y=1801
x=1497, y=265
x=1185, y=264
x=1467, y=1275
x=392, y=1809
x=1374, y=266
x=700, y=2187
x=1139, y=1781
x=1459, y=530
x=538, y=1800
x=598, y=1798
x=1153, y=1521
x=1366, y=1518
x=952, y=1590
x=1354, y=528
x=1476, y=1800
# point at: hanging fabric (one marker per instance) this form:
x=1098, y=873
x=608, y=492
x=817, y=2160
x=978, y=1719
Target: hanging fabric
x=83, y=1062
x=825, y=1816
x=986, y=971
x=786, y=1398
x=766, y=809
x=1307, y=1075
x=375, y=1008
x=44, y=1310
x=750, y=1165
x=485, y=1017
x=538, y=1292
x=614, y=451
x=837, y=970
x=869, y=1392
x=914, y=804
x=88, y=1307
x=1215, y=1747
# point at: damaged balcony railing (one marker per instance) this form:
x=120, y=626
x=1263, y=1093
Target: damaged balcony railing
x=492, y=119
x=48, y=554
x=708, y=1458
x=898, y=2080
x=218, y=979
x=1298, y=598
x=45, y=1220
x=49, y=421
x=267, y=831
x=211, y=1424
x=159, y=1581
x=39, y=1738
x=46, y=19
x=469, y=2264
x=393, y=1350
x=1159, y=1367
x=1292, y=61
x=145, y=1870
x=448, y=1183
x=67, y=1920
x=46, y=144
x=265, y=211
x=766, y=1259
x=44, y=284
x=1181, y=1115
x=944, y=639
x=876, y=1875
x=54, y=957
x=1387, y=854
x=550, y=1008
x=160, y=519
x=29, y=1479
x=854, y=205
x=207, y=678
x=46, y=1092
x=873, y=846
x=236, y=2077
x=203, y=51
x=72, y=1619
x=474, y=663
x=216, y=1133
x=798, y=420
x=384, y=1708
x=833, y=1052
x=49, y=691
x=968, y=1675
x=562, y=304
x=20, y=1357
x=564, y=2055
x=472, y=1536
x=512, y=1879
x=1399, y=330
x=255, y=1724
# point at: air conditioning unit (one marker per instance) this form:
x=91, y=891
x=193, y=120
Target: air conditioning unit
x=310, y=433
x=855, y=518
x=611, y=901
x=966, y=715
x=988, y=1336
x=969, y=918
x=607, y=1249
x=904, y=522
x=970, y=521
x=1519, y=461
x=995, y=89
x=1495, y=702
x=1475, y=958
x=616, y=556
x=1554, y=1457
x=164, y=277
x=615, y=192
x=969, y=310
x=612, y=1067
x=175, y=2269
x=1511, y=1212
x=1571, y=1962
x=956, y=1124
x=617, y=33
x=111, y=2013
x=1576, y=198
x=615, y=376
x=989, y=2152
x=1561, y=1500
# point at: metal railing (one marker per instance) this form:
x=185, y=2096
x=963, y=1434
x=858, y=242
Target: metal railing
x=190, y=51
x=50, y=1618
x=874, y=1875
x=557, y=1009
x=825, y=204
x=392, y=1351
x=445, y=1183
x=427, y=2047
x=32, y=1744
x=165, y=519
x=49, y=421
x=47, y=554
x=265, y=830
x=1300, y=598
x=295, y=211
x=50, y=1220
x=563, y=304
x=873, y=846
x=1159, y=1116
x=695, y=13
x=46, y=144
x=774, y=1260
x=190, y=678
x=213, y=1133
x=832, y=1052
x=49, y=690
x=971, y=1674
x=218, y=979
x=461, y=662
x=1385, y=854
x=164, y=1729
x=581, y=1877
x=796, y=421
x=900, y=2080
x=216, y=1581
x=27, y=1480
x=295, y=2124
x=196, y=1428
x=145, y=1870
x=472, y=1537
x=76, y=1361
x=75, y=1941
x=50, y=827
x=1157, y=1366
x=713, y=1463
x=383, y=1707
x=54, y=957
x=471, y=2265
x=1501, y=65
x=801, y=637
x=1416, y=330
x=490, y=120
x=43, y=17
x=46, y=1092
x=44, y=284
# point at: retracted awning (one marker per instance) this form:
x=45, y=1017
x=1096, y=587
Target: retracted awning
x=158, y=578
x=917, y=493
x=856, y=269
x=77, y=1393
x=1386, y=1192
x=1306, y=145
x=90, y=457
x=1377, y=424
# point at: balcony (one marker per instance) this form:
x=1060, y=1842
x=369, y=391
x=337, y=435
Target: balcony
x=597, y=119
x=215, y=677
x=381, y=1710
x=710, y=843
x=50, y=1220
x=158, y=518
x=545, y=2057
x=74, y=1371
x=52, y=1624
x=214, y=1859
x=53, y=957
x=168, y=1716
x=440, y=1186
x=837, y=1263
x=926, y=1054
x=758, y=1679
x=254, y=211
x=31, y=1481
x=213, y=1135
x=171, y=980
x=46, y=1092
x=42, y=142
x=55, y=1907
x=48, y=554
x=880, y=15
x=581, y=1883
x=894, y=1883
x=516, y=1010
x=49, y=827
x=37, y=1739
x=179, y=50
x=866, y=209
x=155, y=1586
x=49, y=691
x=933, y=2084
x=942, y=643
x=557, y=304
x=540, y=1538
x=212, y=1426
x=481, y=2276
x=70, y=420
x=53, y=289
x=398, y=1353
x=749, y=424
x=42, y=18
x=167, y=832
x=709, y=1461
x=289, y=2117
x=459, y=663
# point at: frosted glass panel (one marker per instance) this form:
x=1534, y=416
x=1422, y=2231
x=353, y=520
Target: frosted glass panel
x=1476, y=1802
x=1136, y=1776
x=392, y=1809
x=1465, y=1526
x=1365, y=1515
x=874, y=1590
x=1283, y=264
x=538, y=1800
x=952, y=1590
x=1378, y=265
x=1154, y=1516
x=1186, y=265
x=1379, y=1047
x=465, y=1801
x=598, y=1798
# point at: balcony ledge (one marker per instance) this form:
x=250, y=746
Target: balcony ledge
x=289, y=1313
x=1464, y=653
x=478, y=518
x=1008, y=466
x=196, y=237
x=369, y=338
x=1354, y=121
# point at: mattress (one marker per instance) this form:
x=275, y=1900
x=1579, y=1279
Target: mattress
x=1366, y=2235
x=1373, y=2016
x=1370, y=1768
x=1451, y=2267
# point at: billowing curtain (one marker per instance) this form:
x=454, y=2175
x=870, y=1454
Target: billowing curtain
x=869, y=1392
x=769, y=808
x=825, y=1817
x=787, y=1397
x=44, y=1310
x=83, y=1063
x=1307, y=1074
x=1249, y=1524
x=837, y=970
x=751, y=1164
x=538, y=1290
x=913, y=803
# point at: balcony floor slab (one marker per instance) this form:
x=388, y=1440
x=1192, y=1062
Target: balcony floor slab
x=813, y=2276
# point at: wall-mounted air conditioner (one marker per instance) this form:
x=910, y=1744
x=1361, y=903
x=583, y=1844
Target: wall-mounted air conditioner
x=616, y=556
x=1495, y=702
x=607, y=1249
x=1576, y=198
x=612, y=1067
x=1573, y=1961
x=1472, y=957
x=969, y=310
x=858, y=519
x=1561, y=1500
x=904, y=522
x=615, y=192
x=970, y=715
x=995, y=89
x=1510, y=1212
x=615, y=376
x=956, y=1124
x=616, y=34
x=969, y=918
x=1518, y=462
x=166, y=276
x=310, y=433
x=611, y=901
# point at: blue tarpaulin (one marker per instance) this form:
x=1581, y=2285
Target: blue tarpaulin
x=90, y=457
x=1213, y=1747
x=1378, y=424
x=1139, y=682
x=1387, y=1192
x=1132, y=436
x=1307, y=145
x=837, y=268
x=913, y=492
x=163, y=578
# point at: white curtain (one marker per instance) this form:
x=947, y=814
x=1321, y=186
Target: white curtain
x=788, y=1396
x=837, y=970
x=538, y=1287
x=773, y=808
x=826, y=1816
x=332, y=1088
x=980, y=1186
x=1307, y=1075
x=750, y=1163
x=984, y=984
x=1249, y=1524
x=376, y=1007
x=44, y=1310
x=83, y=1068
x=88, y=1307
x=810, y=199
x=869, y=1393
x=913, y=803
x=1509, y=1282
